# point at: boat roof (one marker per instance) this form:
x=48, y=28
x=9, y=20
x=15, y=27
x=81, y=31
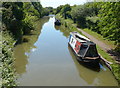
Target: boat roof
x=81, y=37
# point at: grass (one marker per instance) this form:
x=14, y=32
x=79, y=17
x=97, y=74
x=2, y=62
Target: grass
x=104, y=54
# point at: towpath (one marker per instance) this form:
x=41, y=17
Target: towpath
x=102, y=45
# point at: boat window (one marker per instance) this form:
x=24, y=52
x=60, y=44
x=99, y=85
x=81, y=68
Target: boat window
x=92, y=51
x=72, y=40
x=83, y=50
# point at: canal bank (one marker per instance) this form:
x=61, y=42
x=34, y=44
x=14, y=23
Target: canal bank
x=46, y=60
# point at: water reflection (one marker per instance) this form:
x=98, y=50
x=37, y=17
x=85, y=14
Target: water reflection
x=21, y=51
x=64, y=30
x=57, y=27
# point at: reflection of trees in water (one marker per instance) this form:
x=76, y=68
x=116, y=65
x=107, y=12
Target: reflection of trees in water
x=21, y=50
x=20, y=59
x=64, y=30
x=57, y=27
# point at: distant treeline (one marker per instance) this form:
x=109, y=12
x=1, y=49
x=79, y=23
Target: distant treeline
x=101, y=17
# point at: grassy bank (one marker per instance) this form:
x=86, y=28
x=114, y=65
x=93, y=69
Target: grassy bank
x=8, y=72
x=115, y=67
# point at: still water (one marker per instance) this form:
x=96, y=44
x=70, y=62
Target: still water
x=47, y=60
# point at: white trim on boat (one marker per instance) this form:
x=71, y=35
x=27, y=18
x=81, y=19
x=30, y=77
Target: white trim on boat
x=81, y=36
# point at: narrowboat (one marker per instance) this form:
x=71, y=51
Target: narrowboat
x=57, y=22
x=84, y=49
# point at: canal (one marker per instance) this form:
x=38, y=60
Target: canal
x=47, y=60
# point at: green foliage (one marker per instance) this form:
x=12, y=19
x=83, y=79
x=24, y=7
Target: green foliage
x=18, y=16
x=38, y=7
x=17, y=9
x=116, y=71
x=27, y=24
x=110, y=21
x=79, y=14
x=94, y=7
x=64, y=10
x=92, y=23
x=12, y=16
x=29, y=9
x=59, y=9
x=8, y=71
x=68, y=14
x=46, y=11
x=50, y=9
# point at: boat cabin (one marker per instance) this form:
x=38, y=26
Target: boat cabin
x=82, y=46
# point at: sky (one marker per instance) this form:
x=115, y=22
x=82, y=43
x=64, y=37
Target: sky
x=56, y=3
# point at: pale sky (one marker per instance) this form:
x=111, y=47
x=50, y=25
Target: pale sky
x=55, y=3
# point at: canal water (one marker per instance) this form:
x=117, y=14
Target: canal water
x=45, y=59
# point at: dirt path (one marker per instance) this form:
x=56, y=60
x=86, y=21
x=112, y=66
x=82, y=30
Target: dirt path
x=102, y=45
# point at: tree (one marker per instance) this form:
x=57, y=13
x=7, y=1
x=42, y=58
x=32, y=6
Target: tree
x=17, y=16
x=79, y=14
x=110, y=21
x=38, y=7
x=59, y=9
x=65, y=9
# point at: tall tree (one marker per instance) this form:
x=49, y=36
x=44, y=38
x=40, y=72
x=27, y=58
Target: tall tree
x=65, y=9
x=38, y=7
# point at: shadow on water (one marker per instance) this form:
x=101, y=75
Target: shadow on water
x=21, y=51
x=90, y=66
